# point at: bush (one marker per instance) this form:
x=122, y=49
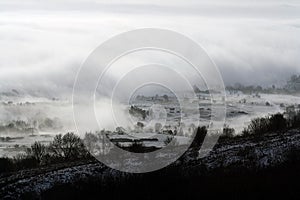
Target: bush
x=24, y=161
x=64, y=147
x=137, y=147
x=68, y=147
x=138, y=112
x=245, y=132
x=259, y=126
x=277, y=122
x=295, y=121
x=168, y=140
x=56, y=147
x=37, y=151
x=6, y=165
x=228, y=132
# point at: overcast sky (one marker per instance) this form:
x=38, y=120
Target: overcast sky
x=43, y=43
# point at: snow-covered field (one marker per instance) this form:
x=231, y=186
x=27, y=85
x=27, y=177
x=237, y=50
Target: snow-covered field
x=11, y=146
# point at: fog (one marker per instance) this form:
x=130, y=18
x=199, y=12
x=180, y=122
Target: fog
x=44, y=43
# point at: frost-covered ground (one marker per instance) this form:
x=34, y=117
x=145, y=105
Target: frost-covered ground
x=11, y=146
x=247, y=153
x=240, y=109
x=256, y=107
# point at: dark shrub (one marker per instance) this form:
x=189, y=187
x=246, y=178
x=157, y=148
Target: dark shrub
x=136, y=147
x=277, y=122
x=37, y=151
x=140, y=125
x=6, y=165
x=259, y=126
x=245, y=132
x=295, y=121
x=138, y=112
x=168, y=140
x=23, y=161
x=69, y=147
x=228, y=132
x=56, y=147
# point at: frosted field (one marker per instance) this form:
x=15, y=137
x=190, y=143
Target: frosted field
x=240, y=109
x=256, y=107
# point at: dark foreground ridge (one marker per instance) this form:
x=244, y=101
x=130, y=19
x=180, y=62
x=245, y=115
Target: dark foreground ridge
x=242, y=167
